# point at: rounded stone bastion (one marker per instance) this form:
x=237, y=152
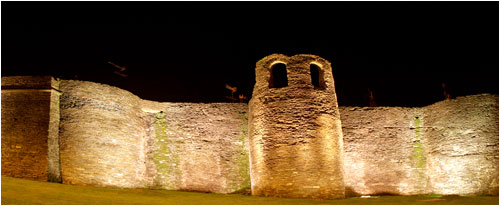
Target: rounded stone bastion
x=103, y=136
x=296, y=142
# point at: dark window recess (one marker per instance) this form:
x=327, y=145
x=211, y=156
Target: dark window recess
x=316, y=76
x=278, y=76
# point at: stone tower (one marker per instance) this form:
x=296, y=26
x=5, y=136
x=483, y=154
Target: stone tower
x=296, y=144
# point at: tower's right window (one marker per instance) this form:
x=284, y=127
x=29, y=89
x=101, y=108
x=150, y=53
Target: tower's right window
x=316, y=76
x=279, y=76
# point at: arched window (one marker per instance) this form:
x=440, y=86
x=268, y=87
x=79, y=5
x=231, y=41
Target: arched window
x=279, y=76
x=317, y=78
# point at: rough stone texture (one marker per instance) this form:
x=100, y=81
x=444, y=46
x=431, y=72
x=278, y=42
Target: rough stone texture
x=450, y=147
x=462, y=137
x=201, y=147
x=30, y=127
x=112, y=138
x=384, y=151
x=296, y=145
x=109, y=137
x=103, y=135
x=29, y=82
x=53, y=141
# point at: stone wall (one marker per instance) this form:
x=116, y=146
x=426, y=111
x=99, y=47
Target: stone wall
x=384, y=151
x=103, y=136
x=112, y=138
x=295, y=134
x=462, y=136
x=201, y=147
x=109, y=137
x=450, y=147
x=30, y=124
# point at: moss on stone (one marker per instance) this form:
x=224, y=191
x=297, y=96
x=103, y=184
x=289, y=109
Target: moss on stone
x=163, y=156
x=418, y=158
x=418, y=154
x=242, y=159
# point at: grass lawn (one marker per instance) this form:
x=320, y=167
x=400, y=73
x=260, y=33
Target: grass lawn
x=19, y=191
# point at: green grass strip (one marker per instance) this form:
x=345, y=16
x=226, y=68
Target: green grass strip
x=19, y=191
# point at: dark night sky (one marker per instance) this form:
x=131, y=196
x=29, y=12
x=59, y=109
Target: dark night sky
x=187, y=51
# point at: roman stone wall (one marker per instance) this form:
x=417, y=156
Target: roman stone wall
x=54, y=157
x=112, y=138
x=109, y=137
x=384, y=151
x=462, y=153
x=201, y=147
x=295, y=132
x=103, y=135
x=450, y=147
x=30, y=124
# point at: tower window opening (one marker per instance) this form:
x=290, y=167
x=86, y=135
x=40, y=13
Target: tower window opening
x=279, y=76
x=317, y=76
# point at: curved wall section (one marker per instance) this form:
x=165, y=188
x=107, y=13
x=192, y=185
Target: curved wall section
x=112, y=138
x=450, y=147
x=103, y=136
x=463, y=145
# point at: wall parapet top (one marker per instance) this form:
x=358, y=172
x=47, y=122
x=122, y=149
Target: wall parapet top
x=30, y=82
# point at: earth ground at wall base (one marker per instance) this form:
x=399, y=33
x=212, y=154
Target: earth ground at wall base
x=20, y=191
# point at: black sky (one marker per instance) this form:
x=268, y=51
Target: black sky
x=188, y=51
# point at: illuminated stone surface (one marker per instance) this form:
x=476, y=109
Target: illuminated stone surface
x=384, y=151
x=111, y=138
x=450, y=147
x=103, y=136
x=30, y=127
x=201, y=147
x=296, y=145
x=462, y=145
